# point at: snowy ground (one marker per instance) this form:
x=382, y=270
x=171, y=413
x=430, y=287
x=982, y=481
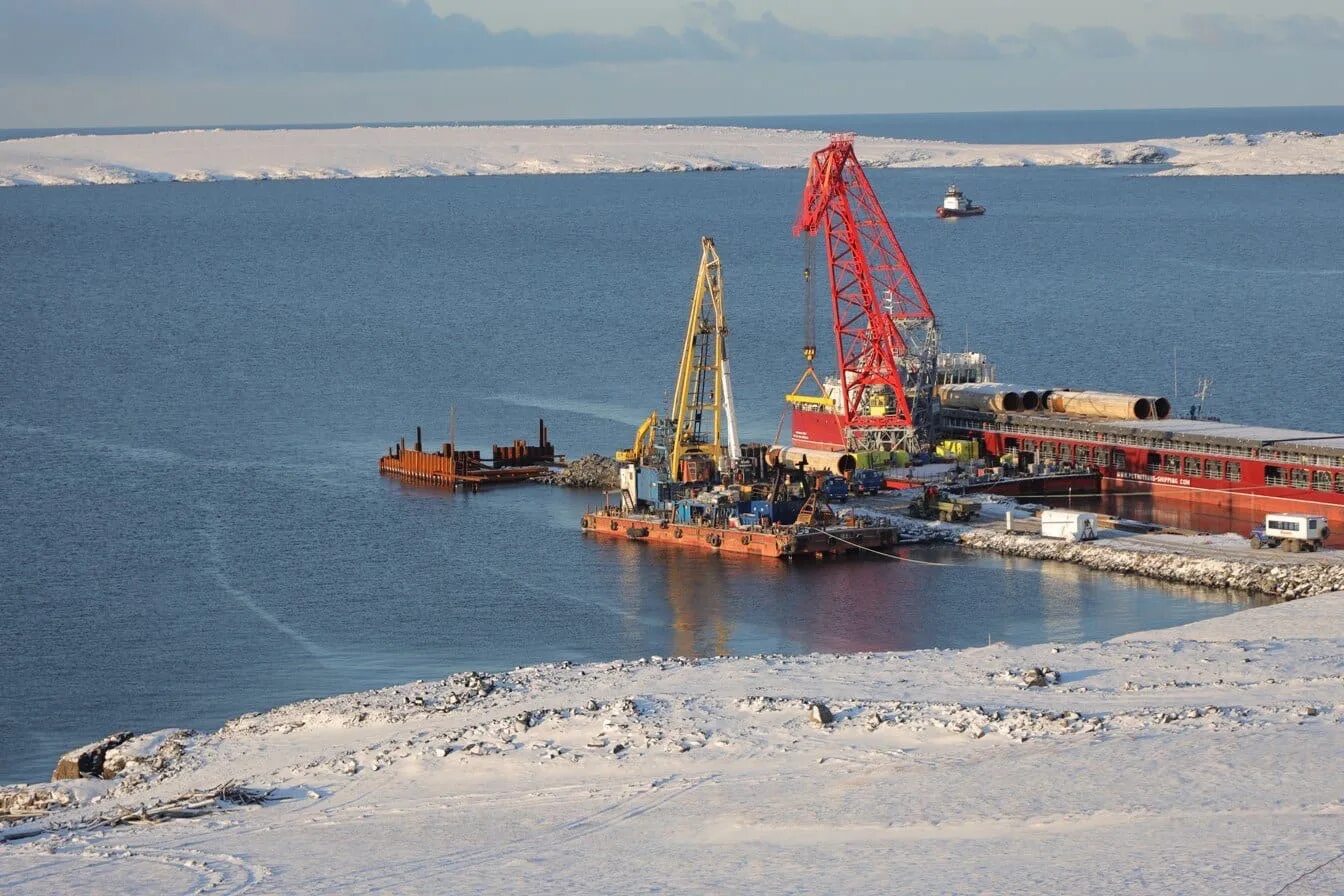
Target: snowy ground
x=1203, y=759
x=206, y=155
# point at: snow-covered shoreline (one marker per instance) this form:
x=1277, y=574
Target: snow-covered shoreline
x=1200, y=759
x=1226, y=562
x=449, y=150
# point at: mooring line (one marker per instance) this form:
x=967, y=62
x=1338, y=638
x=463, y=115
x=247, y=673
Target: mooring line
x=864, y=547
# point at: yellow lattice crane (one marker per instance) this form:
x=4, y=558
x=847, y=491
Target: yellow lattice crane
x=704, y=386
x=698, y=436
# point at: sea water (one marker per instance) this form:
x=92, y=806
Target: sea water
x=196, y=382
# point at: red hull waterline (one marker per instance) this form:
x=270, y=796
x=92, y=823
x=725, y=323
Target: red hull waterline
x=1251, y=502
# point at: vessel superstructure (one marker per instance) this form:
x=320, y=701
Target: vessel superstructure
x=957, y=205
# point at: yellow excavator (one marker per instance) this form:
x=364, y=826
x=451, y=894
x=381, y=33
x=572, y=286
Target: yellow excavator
x=643, y=452
x=699, y=434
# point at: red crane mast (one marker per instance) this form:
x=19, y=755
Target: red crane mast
x=885, y=332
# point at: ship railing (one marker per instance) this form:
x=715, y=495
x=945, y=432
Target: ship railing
x=1115, y=439
x=1138, y=441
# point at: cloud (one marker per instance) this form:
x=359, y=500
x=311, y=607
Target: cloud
x=72, y=39
x=767, y=37
x=1090, y=43
x=1217, y=31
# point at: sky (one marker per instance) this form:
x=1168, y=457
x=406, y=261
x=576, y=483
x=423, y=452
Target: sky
x=180, y=62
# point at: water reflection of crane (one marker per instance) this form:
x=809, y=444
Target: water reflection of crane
x=696, y=587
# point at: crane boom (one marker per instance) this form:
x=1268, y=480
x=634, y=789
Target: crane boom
x=885, y=331
x=704, y=385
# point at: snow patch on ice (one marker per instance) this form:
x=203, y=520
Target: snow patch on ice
x=440, y=151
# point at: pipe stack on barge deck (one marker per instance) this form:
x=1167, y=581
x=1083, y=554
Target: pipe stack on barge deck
x=452, y=468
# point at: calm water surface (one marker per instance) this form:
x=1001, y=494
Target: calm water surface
x=196, y=382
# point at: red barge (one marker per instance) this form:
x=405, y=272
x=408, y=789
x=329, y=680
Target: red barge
x=1234, y=467
x=784, y=542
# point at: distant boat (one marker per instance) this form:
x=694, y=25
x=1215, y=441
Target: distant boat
x=955, y=205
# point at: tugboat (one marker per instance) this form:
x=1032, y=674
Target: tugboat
x=955, y=205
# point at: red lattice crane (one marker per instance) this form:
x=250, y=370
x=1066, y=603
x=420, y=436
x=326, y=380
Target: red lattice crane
x=885, y=334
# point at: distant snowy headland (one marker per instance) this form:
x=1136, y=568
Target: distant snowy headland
x=434, y=151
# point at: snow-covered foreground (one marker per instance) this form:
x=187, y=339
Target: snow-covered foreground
x=206, y=155
x=1203, y=759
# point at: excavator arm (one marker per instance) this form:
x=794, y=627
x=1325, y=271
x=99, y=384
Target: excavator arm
x=641, y=452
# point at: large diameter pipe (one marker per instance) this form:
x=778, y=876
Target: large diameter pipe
x=1030, y=398
x=994, y=397
x=1161, y=408
x=1114, y=405
x=841, y=462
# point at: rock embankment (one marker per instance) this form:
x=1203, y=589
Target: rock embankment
x=88, y=761
x=1277, y=580
x=589, y=471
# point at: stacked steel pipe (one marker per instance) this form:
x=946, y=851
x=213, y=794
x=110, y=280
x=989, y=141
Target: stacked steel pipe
x=1006, y=398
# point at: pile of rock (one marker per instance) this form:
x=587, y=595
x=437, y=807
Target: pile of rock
x=590, y=471
x=1039, y=677
x=87, y=761
x=1278, y=580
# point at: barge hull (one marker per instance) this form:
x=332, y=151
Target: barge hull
x=784, y=543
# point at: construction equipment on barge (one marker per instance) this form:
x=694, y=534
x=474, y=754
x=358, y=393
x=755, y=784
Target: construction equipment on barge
x=696, y=441
x=762, y=520
x=686, y=480
x=452, y=468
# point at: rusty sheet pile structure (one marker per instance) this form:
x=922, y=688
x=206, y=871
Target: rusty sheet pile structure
x=452, y=468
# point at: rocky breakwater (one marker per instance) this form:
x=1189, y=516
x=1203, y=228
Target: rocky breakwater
x=589, y=471
x=1285, y=580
